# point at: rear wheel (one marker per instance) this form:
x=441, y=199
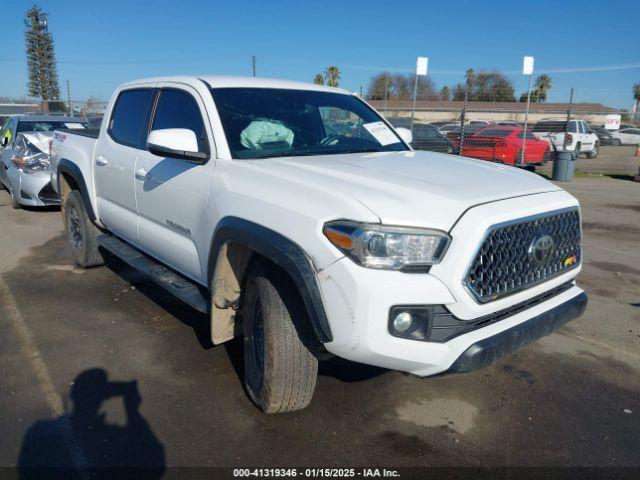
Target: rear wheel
x=81, y=232
x=280, y=364
x=593, y=153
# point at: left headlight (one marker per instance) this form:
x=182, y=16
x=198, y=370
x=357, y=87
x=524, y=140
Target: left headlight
x=36, y=163
x=385, y=247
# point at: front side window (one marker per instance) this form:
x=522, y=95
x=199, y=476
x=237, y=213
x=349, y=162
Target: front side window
x=178, y=109
x=128, y=124
x=270, y=122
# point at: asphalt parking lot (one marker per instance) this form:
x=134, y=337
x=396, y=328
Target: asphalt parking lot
x=571, y=399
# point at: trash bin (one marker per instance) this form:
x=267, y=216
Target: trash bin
x=564, y=163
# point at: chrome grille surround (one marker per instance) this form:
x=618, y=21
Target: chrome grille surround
x=503, y=264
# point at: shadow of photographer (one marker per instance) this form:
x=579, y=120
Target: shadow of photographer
x=82, y=444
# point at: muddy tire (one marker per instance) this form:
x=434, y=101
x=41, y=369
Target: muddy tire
x=280, y=364
x=81, y=232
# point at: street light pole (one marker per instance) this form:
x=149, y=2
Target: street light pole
x=415, y=95
x=527, y=69
x=386, y=94
x=526, y=121
x=421, y=69
x=253, y=65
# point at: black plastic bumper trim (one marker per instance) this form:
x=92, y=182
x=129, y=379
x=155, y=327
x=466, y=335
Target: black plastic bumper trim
x=488, y=350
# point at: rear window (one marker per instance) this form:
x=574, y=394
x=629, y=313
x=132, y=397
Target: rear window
x=128, y=124
x=495, y=132
x=550, y=126
x=49, y=126
x=530, y=136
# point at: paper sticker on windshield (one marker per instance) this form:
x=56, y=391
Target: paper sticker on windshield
x=74, y=126
x=381, y=133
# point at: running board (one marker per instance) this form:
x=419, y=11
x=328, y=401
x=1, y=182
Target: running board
x=186, y=290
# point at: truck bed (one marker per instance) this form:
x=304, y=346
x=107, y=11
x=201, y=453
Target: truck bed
x=83, y=132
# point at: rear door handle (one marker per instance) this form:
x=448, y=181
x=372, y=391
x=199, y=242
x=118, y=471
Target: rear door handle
x=100, y=160
x=141, y=173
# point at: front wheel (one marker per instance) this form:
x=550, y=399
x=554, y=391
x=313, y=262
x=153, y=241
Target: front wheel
x=81, y=232
x=280, y=364
x=617, y=142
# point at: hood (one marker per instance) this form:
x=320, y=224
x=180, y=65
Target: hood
x=420, y=189
x=40, y=140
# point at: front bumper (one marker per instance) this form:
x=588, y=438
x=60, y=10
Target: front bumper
x=358, y=300
x=488, y=350
x=33, y=189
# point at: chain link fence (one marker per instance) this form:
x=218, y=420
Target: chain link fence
x=86, y=109
x=495, y=131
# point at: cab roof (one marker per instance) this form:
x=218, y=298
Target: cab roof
x=221, y=81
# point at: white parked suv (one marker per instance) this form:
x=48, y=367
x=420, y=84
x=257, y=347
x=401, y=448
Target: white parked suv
x=241, y=197
x=572, y=136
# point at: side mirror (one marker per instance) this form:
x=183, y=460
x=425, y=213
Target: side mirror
x=176, y=143
x=4, y=141
x=405, y=134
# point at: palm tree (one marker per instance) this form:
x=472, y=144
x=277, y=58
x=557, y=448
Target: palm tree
x=636, y=96
x=469, y=75
x=332, y=75
x=318, y=79
x=543, y=84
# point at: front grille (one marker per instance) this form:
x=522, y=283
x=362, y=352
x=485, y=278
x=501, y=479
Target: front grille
x=48, y=195
x=518, y=254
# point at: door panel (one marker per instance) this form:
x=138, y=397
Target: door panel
x=172, y=194
x=115, y=159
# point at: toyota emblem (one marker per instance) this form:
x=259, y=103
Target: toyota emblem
x=541, y=249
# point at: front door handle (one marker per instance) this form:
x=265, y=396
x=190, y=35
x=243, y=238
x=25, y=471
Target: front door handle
x=141, y=173
x=100, y=160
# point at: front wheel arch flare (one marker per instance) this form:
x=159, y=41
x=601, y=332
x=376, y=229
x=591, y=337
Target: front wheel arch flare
x=284, y=253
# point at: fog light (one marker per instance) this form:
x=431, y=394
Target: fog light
x=413, y=322
x=402, y=322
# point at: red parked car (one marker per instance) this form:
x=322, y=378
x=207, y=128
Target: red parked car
x=503, y=144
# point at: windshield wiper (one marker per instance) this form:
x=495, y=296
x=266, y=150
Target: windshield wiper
x=284, y=155
x=367, y=150
x=315, y=152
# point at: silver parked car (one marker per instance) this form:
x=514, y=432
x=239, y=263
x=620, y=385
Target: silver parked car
x=25, y=170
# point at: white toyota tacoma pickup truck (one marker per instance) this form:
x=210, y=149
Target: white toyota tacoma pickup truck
x=297, y=217
x=573, y=136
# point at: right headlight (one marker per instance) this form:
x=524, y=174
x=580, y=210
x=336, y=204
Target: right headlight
x=385, y=247
x=35, y=163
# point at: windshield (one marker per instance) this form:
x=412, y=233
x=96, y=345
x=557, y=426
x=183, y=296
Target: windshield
x=269, y=122
x=49, y=126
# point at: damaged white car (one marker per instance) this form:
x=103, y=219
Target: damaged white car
x=25, y=169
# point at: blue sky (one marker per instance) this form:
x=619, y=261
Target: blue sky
x=100, y=44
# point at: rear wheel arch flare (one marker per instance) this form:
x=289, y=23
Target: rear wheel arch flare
x=70, y=178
